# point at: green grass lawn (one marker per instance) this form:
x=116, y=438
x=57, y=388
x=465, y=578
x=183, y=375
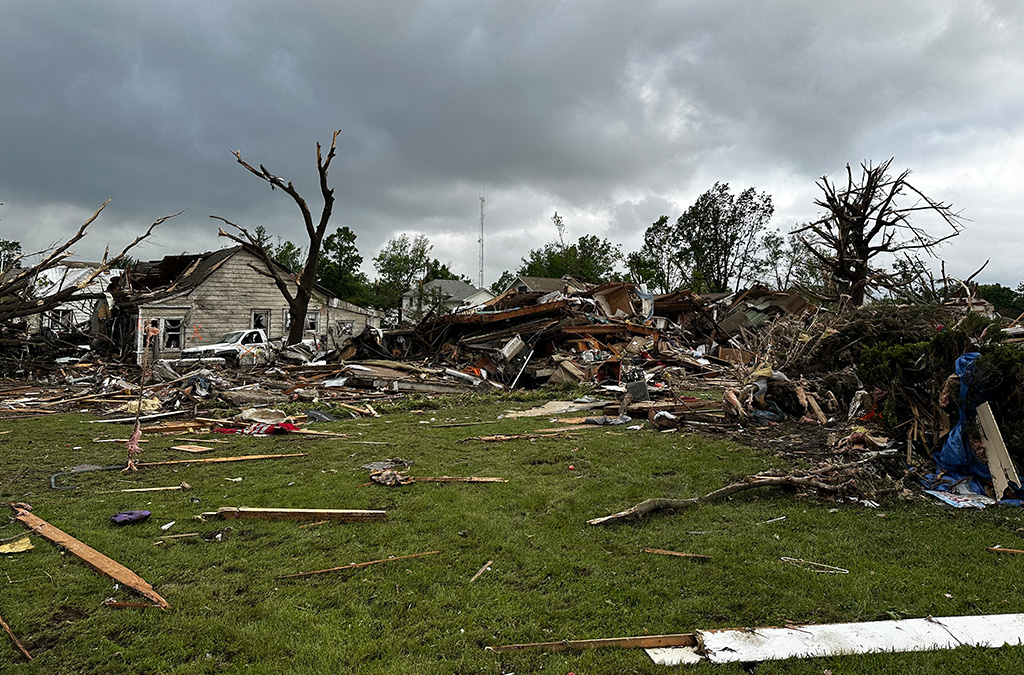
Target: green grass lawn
x=553, y=577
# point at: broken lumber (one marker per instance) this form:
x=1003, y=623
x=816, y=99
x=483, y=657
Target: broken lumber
x=17, y=642
x=999, y=463
x=657, y=504
x=677, y=553
x=355, y=565
x=343, y=515
x=637, y=642
x=90, y=556
x=193, y=449
x=144, y=418
x=457, y=479
x=212, y=460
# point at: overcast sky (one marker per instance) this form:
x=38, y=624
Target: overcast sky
x=612, y=113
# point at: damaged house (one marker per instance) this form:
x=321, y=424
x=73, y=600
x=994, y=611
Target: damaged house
x=75, y=316
x=442, y=296
x=196, y=299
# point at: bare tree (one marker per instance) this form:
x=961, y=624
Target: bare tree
x=20, y=295
x=297, y=291
x=868, y=218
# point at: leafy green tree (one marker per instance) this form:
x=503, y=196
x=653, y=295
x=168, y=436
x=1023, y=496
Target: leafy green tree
x=289, y=255
x=400, y=262
x=590, y=259
x=503, y=282
x=438, y=270
x=719, y=237
x=339, y=268
x=1008, y=302
x=10, y=254
x=657, y=262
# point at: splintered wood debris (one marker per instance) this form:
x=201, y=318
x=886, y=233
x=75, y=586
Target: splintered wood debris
x=90, y=556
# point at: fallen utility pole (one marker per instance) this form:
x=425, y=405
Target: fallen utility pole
x=90, y=556
x=355, y=565
x=343, y=515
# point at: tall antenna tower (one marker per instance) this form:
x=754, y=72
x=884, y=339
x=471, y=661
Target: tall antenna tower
x=481, y=241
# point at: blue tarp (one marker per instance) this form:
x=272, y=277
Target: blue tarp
x=957, y=467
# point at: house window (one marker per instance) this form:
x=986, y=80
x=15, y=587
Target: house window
x=62, y=319
x=171, y=331
x=261, y=319
x=312, y=321
x=345, y=327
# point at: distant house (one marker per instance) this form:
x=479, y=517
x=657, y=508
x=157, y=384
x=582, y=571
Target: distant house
x=566, y=284
x=445, y=294
x=69, y=316
x=194, y=299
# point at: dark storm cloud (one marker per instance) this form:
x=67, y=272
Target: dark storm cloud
x=611, y=113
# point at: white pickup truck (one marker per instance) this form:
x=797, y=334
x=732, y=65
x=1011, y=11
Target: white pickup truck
x=237, y=348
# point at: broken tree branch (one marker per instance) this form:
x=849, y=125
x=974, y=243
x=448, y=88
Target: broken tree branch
x=658, y=504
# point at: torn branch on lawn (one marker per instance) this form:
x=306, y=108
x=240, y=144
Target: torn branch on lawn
x=90, y=556
x=17, y=642
x=658, y=504
x=355, y=565
x=481, y=571
x=638, y=642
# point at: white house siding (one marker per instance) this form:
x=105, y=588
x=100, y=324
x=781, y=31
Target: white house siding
x=225, y=302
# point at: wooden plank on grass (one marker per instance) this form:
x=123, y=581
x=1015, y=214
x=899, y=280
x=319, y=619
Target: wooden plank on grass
x=676, y=553
x=214, y=460
x=638, y=642
x=193, y=449
x=343, y=515
x=90, y=556
x=355, y=565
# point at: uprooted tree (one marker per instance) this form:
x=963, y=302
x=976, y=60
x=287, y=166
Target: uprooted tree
x=297, y=290
x=871, y=217
x=20, y=294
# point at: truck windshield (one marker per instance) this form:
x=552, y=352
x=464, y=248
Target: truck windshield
x=232, y=337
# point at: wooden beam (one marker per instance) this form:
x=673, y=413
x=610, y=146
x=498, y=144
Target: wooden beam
x=90, y=556
x=457, y=479
x=676, y=553
x=638, y=642
x=344, y=515
x=214, y=460
x=355, y=565
x=996, y=549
